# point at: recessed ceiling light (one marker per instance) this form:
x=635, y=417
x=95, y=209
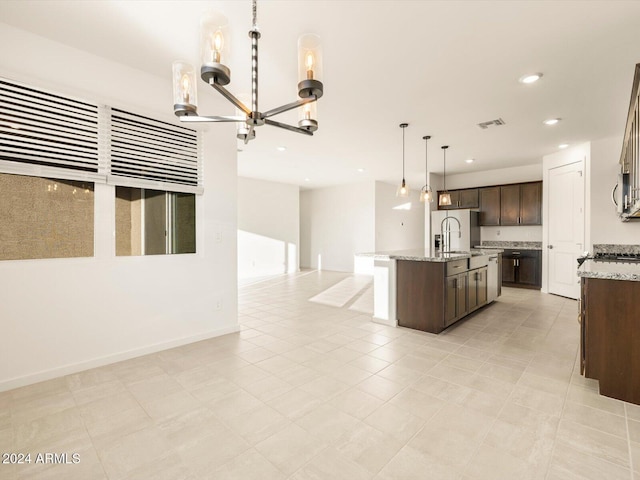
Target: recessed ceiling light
x=551, y=121
x=469, y=160
x=563, y=145
x=307, y=180
x=282, y=149
x=530, y=78
x=361, y=170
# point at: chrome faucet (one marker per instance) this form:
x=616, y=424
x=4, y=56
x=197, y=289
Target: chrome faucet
x=445, y=235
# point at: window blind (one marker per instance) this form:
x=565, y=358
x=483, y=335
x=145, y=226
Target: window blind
x=42, y=133
x=149, y=153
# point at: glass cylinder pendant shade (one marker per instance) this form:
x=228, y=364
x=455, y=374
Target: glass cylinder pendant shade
x=445, y=199
x=185, y=96
x=403, y=190
x=214, y=48
x=309, y=66
x=308, y=116
x=309, y=58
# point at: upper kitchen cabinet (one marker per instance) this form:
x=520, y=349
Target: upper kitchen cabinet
x=466, y=198
x=515, y=204
x=521, y=204
x=489, y=200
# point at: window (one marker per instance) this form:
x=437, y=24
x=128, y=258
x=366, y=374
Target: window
x=153, y=222
x=54, y=149
x=45, y=218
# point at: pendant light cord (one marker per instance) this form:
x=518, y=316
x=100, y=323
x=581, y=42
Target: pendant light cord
x=444, y=166
x=426, y=161
x=444, y=170
x=403, y=154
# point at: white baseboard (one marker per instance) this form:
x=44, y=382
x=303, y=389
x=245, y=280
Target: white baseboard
x=385, y=321
x=41, y=376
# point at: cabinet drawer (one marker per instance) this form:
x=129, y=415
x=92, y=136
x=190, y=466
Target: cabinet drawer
x=457, y=266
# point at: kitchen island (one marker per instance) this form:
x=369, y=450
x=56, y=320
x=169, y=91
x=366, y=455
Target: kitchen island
x=430, y=292
x=609, y=322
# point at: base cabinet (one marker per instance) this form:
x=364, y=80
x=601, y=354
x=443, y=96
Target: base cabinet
x=456, y=293
x=431, y=296
x=522, y=268
x=609, y=343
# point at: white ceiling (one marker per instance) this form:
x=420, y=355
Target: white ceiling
x=441, y=66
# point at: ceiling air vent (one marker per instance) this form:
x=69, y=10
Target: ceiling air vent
x=497, y=122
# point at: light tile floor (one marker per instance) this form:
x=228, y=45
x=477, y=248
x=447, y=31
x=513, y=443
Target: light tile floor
x=312, y=389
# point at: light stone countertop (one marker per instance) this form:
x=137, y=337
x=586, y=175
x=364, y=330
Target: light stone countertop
x=518, y=245
x=423, y=255
x=610, y=270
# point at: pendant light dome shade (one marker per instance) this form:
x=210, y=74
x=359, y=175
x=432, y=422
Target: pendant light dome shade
x=445, y=197
x=426, y=195
x=403, y=188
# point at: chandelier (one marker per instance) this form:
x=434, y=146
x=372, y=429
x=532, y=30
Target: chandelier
x=214, y=47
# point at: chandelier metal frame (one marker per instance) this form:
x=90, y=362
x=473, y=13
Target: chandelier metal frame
x=217, y=75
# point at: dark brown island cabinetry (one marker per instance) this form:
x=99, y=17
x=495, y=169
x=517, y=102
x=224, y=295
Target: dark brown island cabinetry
x=514, y=204
x=610, y=344
x=521, y=204
x=522, y=268
x=434, y=295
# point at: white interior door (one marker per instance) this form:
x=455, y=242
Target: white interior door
x=566, y=228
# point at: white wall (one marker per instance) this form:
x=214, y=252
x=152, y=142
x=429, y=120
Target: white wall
x=268, y=228
x=606, y=227
x=525, y=233
x=335, y=224
x=525, y=173
x=64, y=315
x=397, y=228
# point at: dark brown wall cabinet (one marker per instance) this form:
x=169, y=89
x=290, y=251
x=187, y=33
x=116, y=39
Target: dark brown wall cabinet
x=489, y=206
x=522, y=268
x=521, y=204
x=515, y=204
x=466, y=198
x=609, y=341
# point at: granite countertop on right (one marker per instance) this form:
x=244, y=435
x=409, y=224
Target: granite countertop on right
x=507, y=244
x=610, y=270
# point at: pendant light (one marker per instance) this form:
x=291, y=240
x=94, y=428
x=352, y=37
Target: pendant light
x=403, y=189
x=445, y=197
x=426, y=195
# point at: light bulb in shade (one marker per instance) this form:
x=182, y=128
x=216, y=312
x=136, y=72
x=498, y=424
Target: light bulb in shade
x=403, y=190
x=426, y=195
x=309, y=62
x=551, y=121
x=216, y=46
x=445, y=199
x=186, y=86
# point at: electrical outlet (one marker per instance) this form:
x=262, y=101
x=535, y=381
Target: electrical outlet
x=218, y=237
x=217, y=305
x=498, y=233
